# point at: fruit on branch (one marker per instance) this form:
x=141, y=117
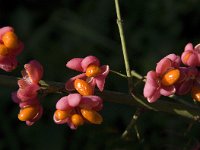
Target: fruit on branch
x=162, y=80
x=27, y=94
x=191, y=55
x=10, y=47
x=33, y=71
x=92, y=72
x=188, y=78
x=171, y=78
x=75, y=110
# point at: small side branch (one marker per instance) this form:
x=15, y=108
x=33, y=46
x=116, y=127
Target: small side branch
x=126, y=134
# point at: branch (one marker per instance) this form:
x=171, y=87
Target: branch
x=122, y=37
x=126, y=61
x=116, y=97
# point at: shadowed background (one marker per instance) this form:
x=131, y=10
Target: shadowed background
x=55, y=31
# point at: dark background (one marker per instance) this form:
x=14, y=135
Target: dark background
x=55, y=31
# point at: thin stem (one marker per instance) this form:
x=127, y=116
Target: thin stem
x=126, y=61
x=189, y=128
x=122, y=37
x=182, y=101
x=118, y=73
x=136, y=75
x=125, y=54
x=138, y=134
x=131, y=125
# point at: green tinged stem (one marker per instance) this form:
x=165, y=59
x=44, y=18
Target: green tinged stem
x=122, y=37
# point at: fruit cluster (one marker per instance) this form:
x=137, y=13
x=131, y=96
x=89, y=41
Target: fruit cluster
x=10, y=47
x=27, y=94
x=171, y=78
x=74, y=109
x=82, y=107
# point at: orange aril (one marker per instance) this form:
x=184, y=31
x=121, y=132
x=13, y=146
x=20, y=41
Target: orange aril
x=3, y=50
x=196, y=93
x=10, y=40
x=61, y=114
x=77, y=120
x=28, y=113
x=83, y=87
x=92, y=116
x=92, y=71
x=170, y=77
x=186, y=57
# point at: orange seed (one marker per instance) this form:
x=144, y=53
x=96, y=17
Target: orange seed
x=92, y=116
x=196, y=93
x=170, y=77
x=186, y=57
x=77, y=120
x=61, y=114
x=10, y=40
x=3, y=50
x=83, y=87
x=92, y=71
x=28, y=113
